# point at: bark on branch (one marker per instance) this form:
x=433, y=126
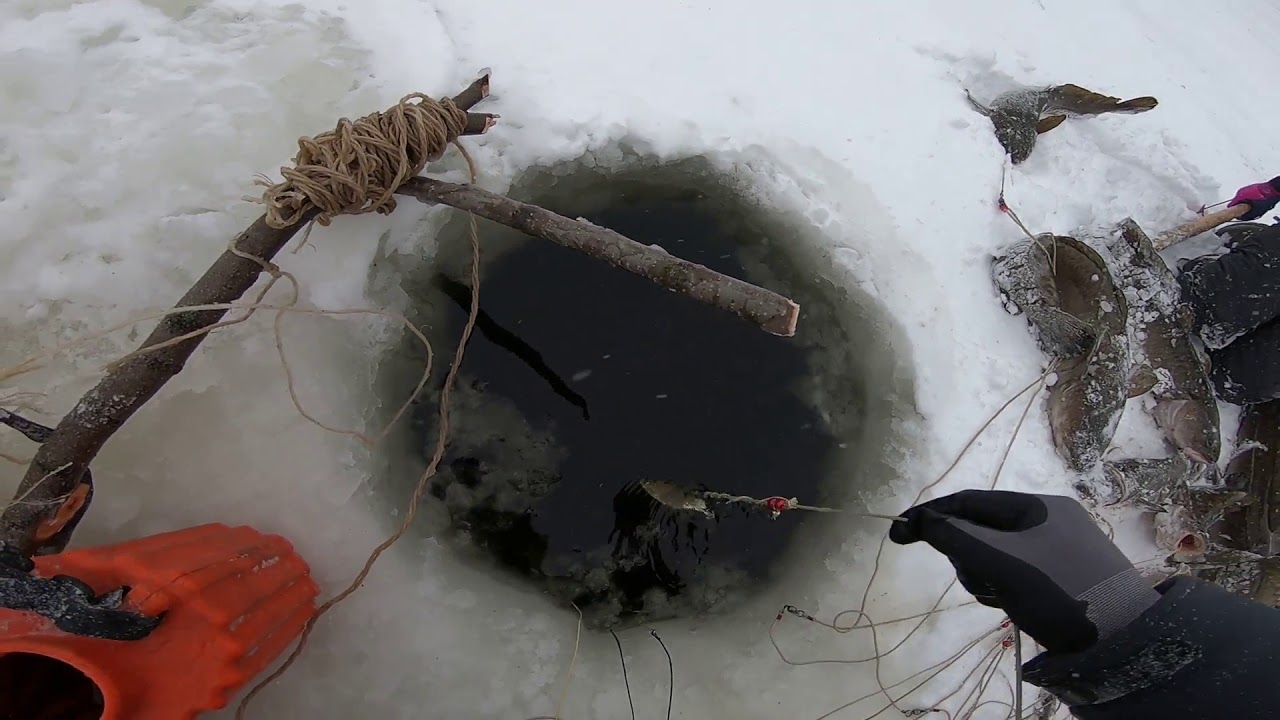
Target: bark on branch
x=62, y=458
x=477, y=123
x=1199, y=225
x=771, y=311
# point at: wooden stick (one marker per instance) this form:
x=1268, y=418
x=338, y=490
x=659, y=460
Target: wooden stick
x=1199, y=225
x=477, y=123
x=475, y=92
x=62, y=458
x=772, y=312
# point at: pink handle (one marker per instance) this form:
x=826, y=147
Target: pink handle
x=1254, y=193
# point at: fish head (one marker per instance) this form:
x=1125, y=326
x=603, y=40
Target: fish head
x=1188, y=426
x=1016, y=117
x=1178, y=532
x=1016, y=133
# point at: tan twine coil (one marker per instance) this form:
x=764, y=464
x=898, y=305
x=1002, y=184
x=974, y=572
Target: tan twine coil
x=356, y=167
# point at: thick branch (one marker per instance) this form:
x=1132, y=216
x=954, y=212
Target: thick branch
x=64, y=456
x=477, y=123
x=1199, y=225
x=475, y=92
x=771, y=311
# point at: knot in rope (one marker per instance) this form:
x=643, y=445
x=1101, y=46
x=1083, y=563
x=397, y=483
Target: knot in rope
x=356, y=167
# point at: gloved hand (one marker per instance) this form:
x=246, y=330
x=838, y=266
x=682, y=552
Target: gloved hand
x=1040, y=558
x=1261, y=198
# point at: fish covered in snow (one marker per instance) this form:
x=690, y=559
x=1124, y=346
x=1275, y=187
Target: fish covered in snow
x=1150, y=483
x=1190, y=426
x=1189, y=526
x=1024, y=275
x=1019, y=116
x=1256, y=468
x=1254, y=576
x=1245, y=556
x=1057, y=276
x=1167, y=363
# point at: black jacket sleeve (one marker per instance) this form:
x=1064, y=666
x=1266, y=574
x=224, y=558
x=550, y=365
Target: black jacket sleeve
x=1236, y=292
x=1199, y=653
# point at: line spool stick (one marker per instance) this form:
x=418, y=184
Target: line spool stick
x=1195, y=227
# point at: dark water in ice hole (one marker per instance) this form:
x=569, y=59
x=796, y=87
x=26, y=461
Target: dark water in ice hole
x=629, y=381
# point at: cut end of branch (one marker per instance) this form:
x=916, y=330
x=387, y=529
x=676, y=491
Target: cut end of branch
x=785, y=326
x=479, y=123
x=474, y=93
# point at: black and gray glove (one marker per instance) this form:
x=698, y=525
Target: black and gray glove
x=1040, y=558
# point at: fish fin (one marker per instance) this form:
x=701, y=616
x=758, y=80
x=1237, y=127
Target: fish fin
x=1195, y=456
x=977, y=105
x=1136, y=105
x=1064, y=335
x=1141, y=381
x=1049, y=123
x=1081, y=101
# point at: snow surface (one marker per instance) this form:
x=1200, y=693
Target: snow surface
x=130, y=130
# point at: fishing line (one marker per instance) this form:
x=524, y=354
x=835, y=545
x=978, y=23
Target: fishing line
x=1004, y=207
x=983, y=671
x=937, y=669
x=623, y=659
x=1039, y=382
x=864, y=620
x=671, y=672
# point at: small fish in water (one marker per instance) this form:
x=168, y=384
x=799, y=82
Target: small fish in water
x=1021, y=115
x=676, y=497
x=1025, y=276
x=1056, y=278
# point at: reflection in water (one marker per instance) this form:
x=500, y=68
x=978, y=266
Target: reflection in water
x=509, y=341
x=677, y=390
x=640, y=523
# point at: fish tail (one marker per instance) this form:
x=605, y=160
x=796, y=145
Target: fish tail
x=1082, y=101
x=1136, y=105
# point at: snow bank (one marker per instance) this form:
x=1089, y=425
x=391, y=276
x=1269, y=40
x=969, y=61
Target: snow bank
x=130, y=130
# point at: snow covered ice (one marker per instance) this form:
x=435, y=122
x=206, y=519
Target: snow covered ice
x=130, y=131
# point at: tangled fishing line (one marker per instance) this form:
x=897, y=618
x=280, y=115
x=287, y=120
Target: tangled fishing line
x=354, y=170
x=976, y=682
x=988, y=664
